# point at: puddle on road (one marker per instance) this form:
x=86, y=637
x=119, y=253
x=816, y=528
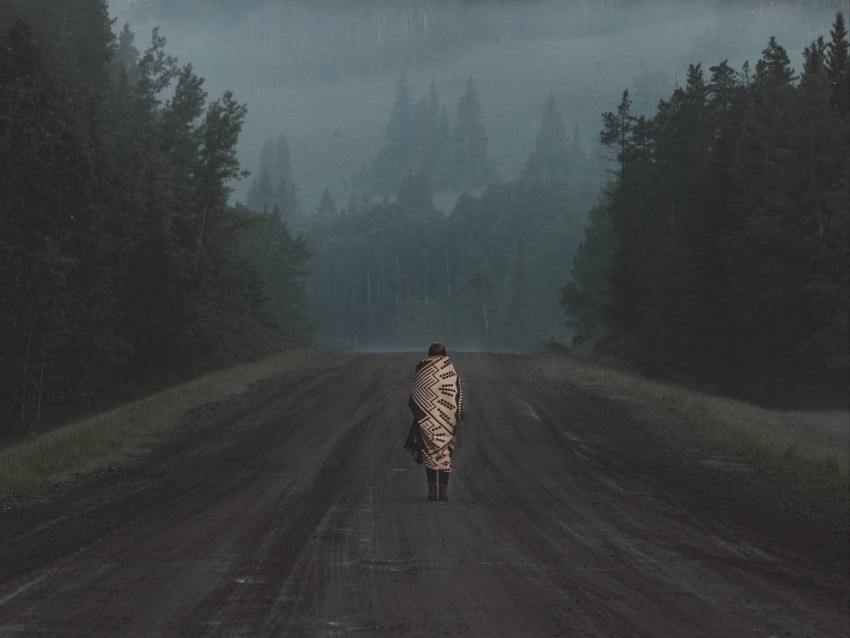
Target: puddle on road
x=391, y=566
x=530, y=411
x=249, y=580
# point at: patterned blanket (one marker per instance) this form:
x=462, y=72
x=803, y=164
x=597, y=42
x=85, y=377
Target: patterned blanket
x=436, y=400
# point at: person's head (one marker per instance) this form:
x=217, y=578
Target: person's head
x=437, y=349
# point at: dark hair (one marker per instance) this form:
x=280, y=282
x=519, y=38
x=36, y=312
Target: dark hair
x=437, y=349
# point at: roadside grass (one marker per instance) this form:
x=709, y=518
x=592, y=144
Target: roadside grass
x=811, y=448
x=125, y=432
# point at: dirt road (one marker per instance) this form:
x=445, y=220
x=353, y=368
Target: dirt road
x=292, y=510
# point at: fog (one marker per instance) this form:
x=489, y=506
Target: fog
x=706, y=244
x=324, y=73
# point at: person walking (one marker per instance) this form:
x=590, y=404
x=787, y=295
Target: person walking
x=436, y=400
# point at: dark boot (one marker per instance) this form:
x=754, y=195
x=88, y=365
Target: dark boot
x=432, y=492
x=444, y=492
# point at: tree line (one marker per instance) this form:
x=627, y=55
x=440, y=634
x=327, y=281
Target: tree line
x=394, y=274
x=122, y=263
x=420, y=140
x=389, y=268
x=719, y=253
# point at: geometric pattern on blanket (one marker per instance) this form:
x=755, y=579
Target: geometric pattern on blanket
x=435, y=399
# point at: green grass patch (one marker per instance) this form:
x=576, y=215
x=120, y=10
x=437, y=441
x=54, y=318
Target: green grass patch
x=123, y=433
x=811, y=448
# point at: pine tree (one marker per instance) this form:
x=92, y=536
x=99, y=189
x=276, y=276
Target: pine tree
x=578, y=165
x=838, y=65
x=327, y=204
x=814, y=57
x=274, y=185
x=279, y=260
x=430, y=132
x=467, y=164
x=616, y=130
x=397, y=155
x=632, y=139
x=261, y=194
x=414, y=193
x=786, y=285
x=550, y=156
x=514, y=316
x=774, y=66
x=672, y=267
x=218, y=165
x=118, y=251
x=59, y=341
x=586, y=295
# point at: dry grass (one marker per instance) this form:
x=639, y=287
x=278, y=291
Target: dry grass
x=813, y=448
x=125, y=432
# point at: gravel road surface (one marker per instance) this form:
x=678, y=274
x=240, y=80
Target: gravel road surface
x=292, y=510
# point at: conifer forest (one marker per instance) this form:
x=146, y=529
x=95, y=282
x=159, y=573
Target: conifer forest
x=696, y=229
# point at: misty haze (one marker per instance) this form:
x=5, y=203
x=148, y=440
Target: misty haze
x=324, y=73
x=585, y=263
x=323, y=78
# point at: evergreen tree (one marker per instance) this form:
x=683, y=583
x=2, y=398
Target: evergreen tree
x=279, y=260
x=514, y=316
x=616, y=131
x=327, y=204
x=467, y=164
x=729, y=215
x=414, y=193
x=119, y=253
x=774, y=66
x=814, y=57
x=396, y=156
x=578, y=165
x=286, y=191
x=274, y=186
x=430, y=131
x=632, y=139
x=150, y=141
x=261, y=194
x=787, y=279
x=586, y=295
x=59, y=341
x=672, y=287
x=838, y=65
x=550, y=157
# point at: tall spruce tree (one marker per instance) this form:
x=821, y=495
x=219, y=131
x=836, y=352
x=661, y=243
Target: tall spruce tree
x=273, y=186
x=838, y=64
x=467, y=165
x=631, y=137
x=550, y=158
x=396, y=156
x=430, y=132
x=586, y=295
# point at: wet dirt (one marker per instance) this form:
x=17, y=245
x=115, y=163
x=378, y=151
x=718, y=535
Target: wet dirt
x=292, y=510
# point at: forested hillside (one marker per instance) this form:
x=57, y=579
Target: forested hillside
x=390, y=269
x=122, y=263
x=717, y=254
x=720, y=252
x=396, y=274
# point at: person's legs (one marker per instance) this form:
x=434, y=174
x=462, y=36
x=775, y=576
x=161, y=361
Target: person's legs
x=444, y=486
x=431, y=475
